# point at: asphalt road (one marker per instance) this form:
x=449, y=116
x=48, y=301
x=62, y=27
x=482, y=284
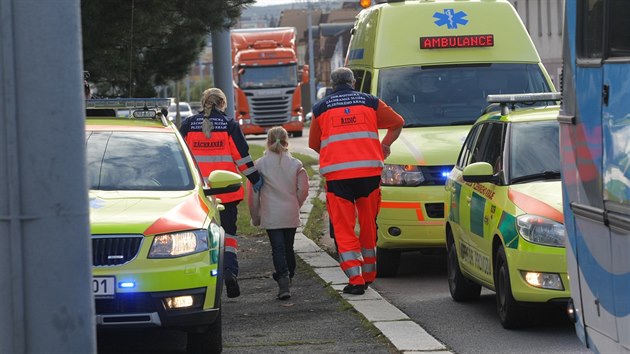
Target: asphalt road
x=421, y=291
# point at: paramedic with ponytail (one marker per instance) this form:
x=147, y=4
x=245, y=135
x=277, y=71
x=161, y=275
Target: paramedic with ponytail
x=217, y=143
x=344, y=132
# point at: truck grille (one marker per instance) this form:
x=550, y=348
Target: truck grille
x=111, y=250
x=270, y=107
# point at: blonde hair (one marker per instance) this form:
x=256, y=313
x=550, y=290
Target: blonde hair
x=212, y=98
x=277, y=140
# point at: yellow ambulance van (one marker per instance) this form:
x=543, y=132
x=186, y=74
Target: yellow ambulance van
x=435, y=62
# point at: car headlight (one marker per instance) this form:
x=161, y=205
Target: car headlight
x=402, y=175
x=179, y=244
x=540, y=230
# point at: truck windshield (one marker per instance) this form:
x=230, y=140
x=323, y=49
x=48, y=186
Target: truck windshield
x=268, y=76
x=534, y=151
x=453, y=94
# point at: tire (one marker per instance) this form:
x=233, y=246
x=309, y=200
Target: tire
x=387, y=262
x=208, y=341
x=297, y=134
x=510, y=312
x=461, y=288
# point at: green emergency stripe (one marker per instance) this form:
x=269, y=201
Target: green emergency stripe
x=454, y=210
x=507, y=226
x=477, y=206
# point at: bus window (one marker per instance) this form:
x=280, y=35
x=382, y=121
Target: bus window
x=619, y=29
x=592, y=24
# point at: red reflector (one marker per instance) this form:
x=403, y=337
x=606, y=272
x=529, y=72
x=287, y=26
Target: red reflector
x=478, y=40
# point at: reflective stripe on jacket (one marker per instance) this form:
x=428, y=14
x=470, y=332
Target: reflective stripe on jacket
x=350, y=146
x=226, y=149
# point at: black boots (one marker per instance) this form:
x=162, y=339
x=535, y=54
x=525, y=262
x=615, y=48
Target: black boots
x=354, y=289
x=283, y=288
x=231, y=285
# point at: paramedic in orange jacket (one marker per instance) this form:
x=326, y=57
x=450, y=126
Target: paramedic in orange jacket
x=217, y=143
x=344, y=132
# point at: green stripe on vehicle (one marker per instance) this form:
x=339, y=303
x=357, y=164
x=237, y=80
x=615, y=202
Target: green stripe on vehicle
x=477, y=206
x=507, y=226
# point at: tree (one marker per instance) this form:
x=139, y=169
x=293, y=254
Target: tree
x=131, y=46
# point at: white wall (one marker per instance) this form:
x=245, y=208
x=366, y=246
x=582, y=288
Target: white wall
x=544, y=21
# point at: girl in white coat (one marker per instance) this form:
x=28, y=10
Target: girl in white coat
x=276, y=207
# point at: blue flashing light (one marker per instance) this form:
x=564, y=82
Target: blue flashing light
x=127, y=284
x=445, y=173
x=214, y=272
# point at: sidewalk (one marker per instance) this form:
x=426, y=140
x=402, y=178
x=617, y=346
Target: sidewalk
x=318, y=317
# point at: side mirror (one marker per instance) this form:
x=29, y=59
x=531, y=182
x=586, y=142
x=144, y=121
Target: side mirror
x=305, y=74
x=223, y=182
x=479, y=172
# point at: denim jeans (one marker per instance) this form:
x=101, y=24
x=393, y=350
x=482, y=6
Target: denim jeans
x=282, y=252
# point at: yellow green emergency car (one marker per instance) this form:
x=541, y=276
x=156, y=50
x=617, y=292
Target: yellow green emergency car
x=434, y=62
x=504, y=227
x=157, y=245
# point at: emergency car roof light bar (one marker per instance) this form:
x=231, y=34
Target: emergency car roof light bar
x=128, y=103
x=147, y=108
x=513, y=99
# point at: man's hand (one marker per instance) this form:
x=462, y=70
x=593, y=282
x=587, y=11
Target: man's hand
x=386, y=150
x=258, y=184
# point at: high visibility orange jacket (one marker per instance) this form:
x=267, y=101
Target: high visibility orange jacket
x=226, y=149
x=349, y=146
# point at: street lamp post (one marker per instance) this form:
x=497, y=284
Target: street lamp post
x=311, y=61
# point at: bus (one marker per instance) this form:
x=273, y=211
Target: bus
x=595, y=166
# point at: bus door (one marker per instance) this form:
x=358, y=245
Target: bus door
x=616, y=157
x=582, y=173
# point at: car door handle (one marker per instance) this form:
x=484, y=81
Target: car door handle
x=468, y=199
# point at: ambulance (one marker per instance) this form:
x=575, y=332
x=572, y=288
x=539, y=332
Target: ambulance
x=435, y=62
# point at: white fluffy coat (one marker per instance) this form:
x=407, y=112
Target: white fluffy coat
x=285, y=188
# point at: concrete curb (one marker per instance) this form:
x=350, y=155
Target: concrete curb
x=406, y=335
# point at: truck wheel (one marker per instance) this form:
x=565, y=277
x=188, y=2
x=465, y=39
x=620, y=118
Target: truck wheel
x=510, y=312
x=297, y=134
x=461, y=288
x=387, y=262
x=208, y=341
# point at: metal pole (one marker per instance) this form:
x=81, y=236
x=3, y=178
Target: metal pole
x=45, y=261
x=222, y=58
x=311, y=60
x=131, y=52
x=187, y=88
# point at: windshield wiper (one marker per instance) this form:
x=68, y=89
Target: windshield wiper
x=535, y=176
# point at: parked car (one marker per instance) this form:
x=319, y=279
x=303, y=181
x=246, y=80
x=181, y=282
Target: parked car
x=505, y=228
x=184, y=110
x=157, y=244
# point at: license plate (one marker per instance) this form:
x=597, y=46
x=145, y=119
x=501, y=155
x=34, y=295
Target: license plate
x=103, y=286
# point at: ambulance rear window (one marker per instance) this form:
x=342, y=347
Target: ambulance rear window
x=429, y=96
x=119, y=160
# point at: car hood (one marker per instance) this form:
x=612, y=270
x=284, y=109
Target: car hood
x=146, y=212
x=539, y=198
x=430, y=146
